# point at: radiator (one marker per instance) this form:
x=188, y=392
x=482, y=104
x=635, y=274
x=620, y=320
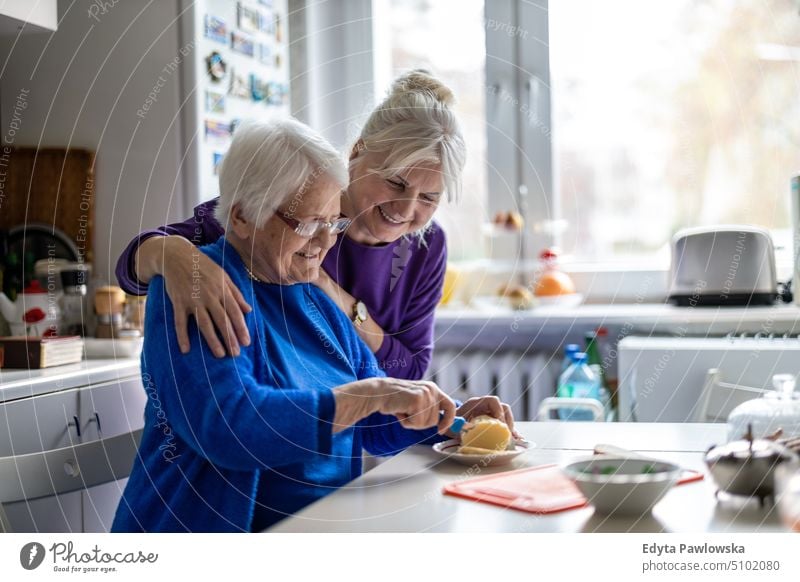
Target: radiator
x=518, y=378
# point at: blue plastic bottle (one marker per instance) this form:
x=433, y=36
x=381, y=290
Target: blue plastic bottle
x=569, y=351
x=578, y=381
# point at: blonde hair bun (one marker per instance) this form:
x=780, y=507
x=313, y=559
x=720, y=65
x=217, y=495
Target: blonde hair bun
x=415, y=125
x=421, y=81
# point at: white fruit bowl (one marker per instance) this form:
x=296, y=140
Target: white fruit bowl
x=623, y=486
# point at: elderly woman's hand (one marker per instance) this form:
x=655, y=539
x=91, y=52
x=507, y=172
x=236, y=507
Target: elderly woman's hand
x=491, y=406
x=198, y=287
x=417, y=404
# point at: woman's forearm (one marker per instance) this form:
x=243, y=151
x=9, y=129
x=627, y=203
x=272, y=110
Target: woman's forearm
x=353, y=402
x=369, y=330
x=154, y=252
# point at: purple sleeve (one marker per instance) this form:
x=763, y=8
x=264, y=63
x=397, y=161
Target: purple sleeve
x=407, y=354
x=201, y=229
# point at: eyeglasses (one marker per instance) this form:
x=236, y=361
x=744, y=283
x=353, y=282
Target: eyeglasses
x=312, y=229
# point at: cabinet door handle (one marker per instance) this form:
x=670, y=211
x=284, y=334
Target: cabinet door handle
x=76, y=423
x=97, y=420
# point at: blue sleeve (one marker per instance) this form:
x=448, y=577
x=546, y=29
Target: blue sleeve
x=383, y=435
x=217, y=406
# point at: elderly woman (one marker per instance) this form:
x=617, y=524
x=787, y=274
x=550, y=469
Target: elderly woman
x=236, y=444
x=386, y=272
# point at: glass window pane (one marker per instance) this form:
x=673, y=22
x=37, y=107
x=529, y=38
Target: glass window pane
x=672, y=114
x=450, y=42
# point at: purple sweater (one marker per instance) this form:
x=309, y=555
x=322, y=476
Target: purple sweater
x=400, y=283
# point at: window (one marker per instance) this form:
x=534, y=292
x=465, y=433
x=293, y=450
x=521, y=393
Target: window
x=449, y=41
x=672, y=114
x=611, y=125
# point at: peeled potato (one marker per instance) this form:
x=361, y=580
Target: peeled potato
x=486, y=433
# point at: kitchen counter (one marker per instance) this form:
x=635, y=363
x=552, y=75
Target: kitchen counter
x=405, y=493
x=490, y=322
x=21, y=383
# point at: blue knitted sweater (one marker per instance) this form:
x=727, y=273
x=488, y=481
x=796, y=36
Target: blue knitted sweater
x=229, y=438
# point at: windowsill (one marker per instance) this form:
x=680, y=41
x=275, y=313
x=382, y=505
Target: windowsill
x=489, y=325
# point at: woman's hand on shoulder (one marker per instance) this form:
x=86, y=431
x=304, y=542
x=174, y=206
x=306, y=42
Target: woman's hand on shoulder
x=198, y=287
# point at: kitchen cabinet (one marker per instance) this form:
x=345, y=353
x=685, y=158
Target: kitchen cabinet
x=38, y=424
x=43, y=410
x=108, y=410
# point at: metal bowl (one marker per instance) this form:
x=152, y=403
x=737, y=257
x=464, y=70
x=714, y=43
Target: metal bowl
x=746, y=467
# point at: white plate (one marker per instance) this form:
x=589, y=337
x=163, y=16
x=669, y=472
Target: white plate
x=448, y=450
x=569, y=300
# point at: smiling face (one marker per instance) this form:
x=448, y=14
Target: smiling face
x=274, y=252
x=385, y=209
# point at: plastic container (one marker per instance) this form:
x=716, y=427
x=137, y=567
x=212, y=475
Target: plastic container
x=776, y=409
x=569, y=351
x=578, y=381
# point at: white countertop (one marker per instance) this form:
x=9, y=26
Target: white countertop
x=21, y=383
x=405, y=493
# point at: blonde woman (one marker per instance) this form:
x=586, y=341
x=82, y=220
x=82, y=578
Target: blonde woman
x=385, y=272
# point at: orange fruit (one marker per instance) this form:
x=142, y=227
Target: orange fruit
x=553, y=283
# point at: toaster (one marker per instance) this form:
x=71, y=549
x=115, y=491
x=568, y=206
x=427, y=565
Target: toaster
x=723, y=265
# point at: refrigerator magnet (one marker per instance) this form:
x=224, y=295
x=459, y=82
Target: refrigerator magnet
x=266, y=23
x=258, y=88
x=216, y=66
x=242, y=43
x=215, y=102
x=248, y=18
x=239, y=86
x=216, y=161
x=216, y=29
x=264, y=54
x=217, y=129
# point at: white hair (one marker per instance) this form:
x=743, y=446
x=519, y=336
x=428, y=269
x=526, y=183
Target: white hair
x=270, y=162
x=415, y=126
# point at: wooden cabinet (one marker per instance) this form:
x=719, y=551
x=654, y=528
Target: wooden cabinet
x=66, y=418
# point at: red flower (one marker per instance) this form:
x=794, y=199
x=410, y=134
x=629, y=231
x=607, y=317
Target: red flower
x=34, y=315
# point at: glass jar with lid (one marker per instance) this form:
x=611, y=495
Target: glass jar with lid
x=777, y=409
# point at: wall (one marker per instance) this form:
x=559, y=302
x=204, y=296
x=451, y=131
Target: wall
x=87, y=84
